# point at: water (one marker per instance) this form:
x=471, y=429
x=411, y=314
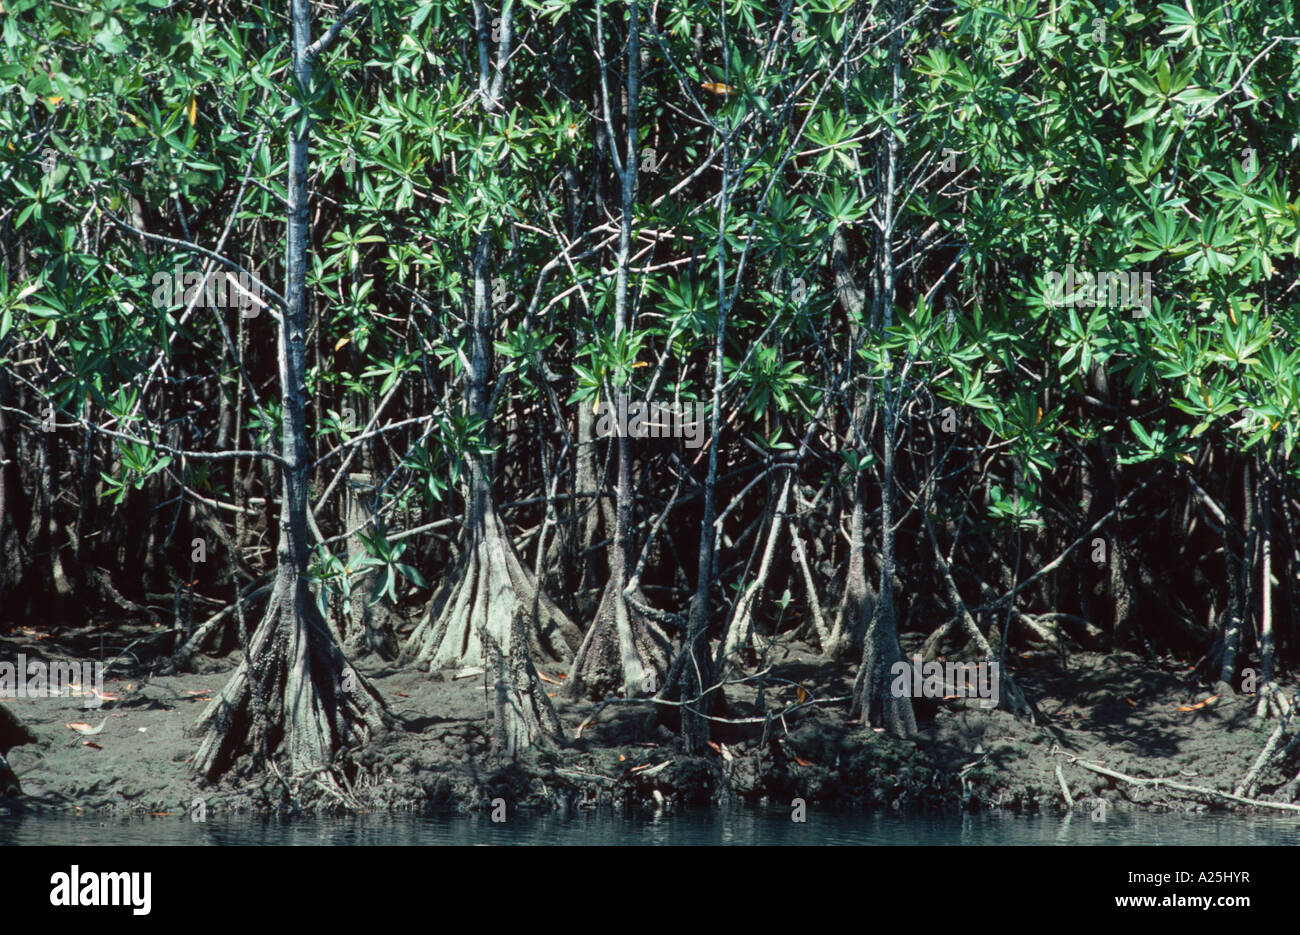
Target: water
x=733, y=827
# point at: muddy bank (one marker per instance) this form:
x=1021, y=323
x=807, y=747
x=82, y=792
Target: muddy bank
x=1116, y=711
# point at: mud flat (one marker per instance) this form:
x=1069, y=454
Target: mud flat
x=1104, y=729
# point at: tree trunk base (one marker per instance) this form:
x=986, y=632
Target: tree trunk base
x=626, y=656
x=9, y=787
x=872, y=697
x=525, y=717
x=852, y=617
x=13, y=733
x=492, y=614
x=489, y=580
x=293, y=695
x=372, y=632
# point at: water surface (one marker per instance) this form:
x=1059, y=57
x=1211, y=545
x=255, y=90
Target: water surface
x=732, y=827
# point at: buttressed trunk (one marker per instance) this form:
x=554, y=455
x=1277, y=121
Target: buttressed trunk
x=491, y=612
x=294, y=693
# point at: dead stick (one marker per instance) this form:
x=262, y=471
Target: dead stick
x=1060, y=777
x=1184, y=787
x=1247, y=784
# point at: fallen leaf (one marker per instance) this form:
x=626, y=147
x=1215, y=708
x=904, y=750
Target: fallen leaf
x=91, y=743
x=201, y=691
x=714, y=746
x=1200, y=704
x=1130, y=701
x=621, y=758
x=801, y=761
x=648, y=769
x=546, y=678
x=802, y=694
x=402, y=694
x=83, y=728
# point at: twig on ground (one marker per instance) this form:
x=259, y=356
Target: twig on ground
x=1183, y=787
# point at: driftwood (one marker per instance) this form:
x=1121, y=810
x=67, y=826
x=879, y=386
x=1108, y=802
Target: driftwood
x=1184, y=787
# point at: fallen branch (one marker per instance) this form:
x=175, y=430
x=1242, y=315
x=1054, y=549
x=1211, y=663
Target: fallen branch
x=576, y=774
x=181, y=657
x=1247, y=784
x=1184, y=787
x=1060, y=777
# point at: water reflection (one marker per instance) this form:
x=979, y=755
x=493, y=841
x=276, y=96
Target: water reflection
x=732, y=827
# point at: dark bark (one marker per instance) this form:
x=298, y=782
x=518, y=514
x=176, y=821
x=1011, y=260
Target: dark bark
x=13, y=733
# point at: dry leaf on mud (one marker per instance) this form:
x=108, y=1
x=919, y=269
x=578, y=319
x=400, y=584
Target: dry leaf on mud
x=83, y=728
x=649, y=770
x=1200, y=704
